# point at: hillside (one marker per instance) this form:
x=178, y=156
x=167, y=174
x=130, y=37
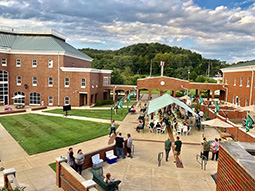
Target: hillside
x=135, y=60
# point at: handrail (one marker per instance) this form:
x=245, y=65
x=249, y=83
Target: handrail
x=203, y=162
x=61, y=176
x=160, y=157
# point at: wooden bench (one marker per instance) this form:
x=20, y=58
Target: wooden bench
x=98, y=177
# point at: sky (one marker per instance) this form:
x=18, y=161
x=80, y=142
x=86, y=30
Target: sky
x=217, y=29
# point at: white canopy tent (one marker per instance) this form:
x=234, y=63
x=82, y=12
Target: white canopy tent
x=216, y=123
x=165, y=100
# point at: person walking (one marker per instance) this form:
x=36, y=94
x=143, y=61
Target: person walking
x=116, y=109
x=129, y=145
x=215, y=149
x=167, y=148
x=70, y=157
x=177, y=149
x=113, y=128
x=205, y=148
x=119, y=146
x=79, y=161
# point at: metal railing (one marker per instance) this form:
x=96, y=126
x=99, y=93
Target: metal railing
x=203, y=161
x=160, y=157
x=61, y=176
x=14, y=30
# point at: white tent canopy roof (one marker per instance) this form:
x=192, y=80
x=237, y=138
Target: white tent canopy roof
x=165, y=100
x=216, y=123
x=18, y=96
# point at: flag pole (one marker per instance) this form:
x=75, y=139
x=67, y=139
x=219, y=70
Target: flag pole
x=151, y=68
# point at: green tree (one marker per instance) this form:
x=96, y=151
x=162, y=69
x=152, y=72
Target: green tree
x=128, y=74
x=117, y=77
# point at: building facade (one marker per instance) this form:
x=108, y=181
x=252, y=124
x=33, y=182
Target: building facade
x=239, y=81
x=39, y=65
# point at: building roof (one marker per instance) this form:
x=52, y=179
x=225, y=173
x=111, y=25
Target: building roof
x=39, y=43
x=248, y=63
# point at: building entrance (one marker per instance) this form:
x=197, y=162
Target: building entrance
x=83, y=99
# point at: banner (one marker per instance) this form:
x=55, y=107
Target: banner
x=201, y=100
x=217, y=108
x=249, y=123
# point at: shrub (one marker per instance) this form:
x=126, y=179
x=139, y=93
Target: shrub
x=104, y=102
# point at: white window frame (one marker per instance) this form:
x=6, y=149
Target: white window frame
x=226, y=80
x=50, y=100
x=83, y=84
x=66, y=100
x=4, y=61
x=18, y=80
x=50, y=63
x=246, y=102
x=241, y=81
x=34, y=65
x=107, y=81
x=34, y=80
x=234, y=81
x=92, y=83
x=19, y=100
x=248, y=81
x=37, y=95
x=18, y=60
x=67, y=83
x=233, y=99
x=239, y=101
x=96, y=83
x=49, y=84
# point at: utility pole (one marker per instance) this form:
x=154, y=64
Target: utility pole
x=151, y=68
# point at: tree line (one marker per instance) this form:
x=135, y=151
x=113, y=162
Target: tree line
x=133, y=62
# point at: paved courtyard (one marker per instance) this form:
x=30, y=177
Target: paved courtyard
x=139, y=173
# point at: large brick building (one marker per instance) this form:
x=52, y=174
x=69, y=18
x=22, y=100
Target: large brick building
x=40, y=65
x=239, y=80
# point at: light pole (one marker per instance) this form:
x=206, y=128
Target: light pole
x=188, y=73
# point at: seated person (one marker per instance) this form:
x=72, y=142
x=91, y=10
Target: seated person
x=158, y=125
x=108, y=178
x=185, y=129
x=141, y=116
x=163, y=125
x=139, y=126
x=152, y=124
x=132, y=109
x=187, y=124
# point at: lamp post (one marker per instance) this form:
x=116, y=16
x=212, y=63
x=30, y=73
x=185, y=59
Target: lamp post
x=188, y=73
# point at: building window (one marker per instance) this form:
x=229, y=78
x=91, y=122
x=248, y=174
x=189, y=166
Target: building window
x=246, y=102
x=4, y=61
x=241, y=81
x=34, y=63
x=248, y=81
x=18, y=80
x=50, y=64
x=226, y=80
x=67, y=101
x=235, y=81
x=106, y=81
x=239, y=103
x=50, y=100
x=67, y=82
x=233, y=100
x=18, y=63
x=92, y=83
x=34, y=81
x=50, y=81
x=21, y=99
x=96, y=83
x=34, y=98
x=83, y=83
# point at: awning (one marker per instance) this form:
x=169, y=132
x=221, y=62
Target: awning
x=18, y=96
x=249, y=108
x=216, y=123
x=165, y=100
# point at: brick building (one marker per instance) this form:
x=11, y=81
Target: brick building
x=239, y=80
x=40, y=65
x=236, y=166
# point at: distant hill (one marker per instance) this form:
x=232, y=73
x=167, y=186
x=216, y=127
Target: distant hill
x=138, y=57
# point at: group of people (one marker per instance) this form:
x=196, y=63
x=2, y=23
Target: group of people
x=206, y=147
x=120, y=145
x=177, y=145
x=157, y=126
x=181, y=127
x=75, y=161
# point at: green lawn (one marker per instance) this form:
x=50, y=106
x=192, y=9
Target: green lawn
x=39, y=133
x=53, y=166
x=94, y=113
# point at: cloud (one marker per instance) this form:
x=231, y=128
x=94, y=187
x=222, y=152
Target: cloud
x=226, y=33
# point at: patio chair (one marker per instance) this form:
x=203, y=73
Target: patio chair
x=97, y=162
x=163, y=129
x=189, y=131
x=179, y=131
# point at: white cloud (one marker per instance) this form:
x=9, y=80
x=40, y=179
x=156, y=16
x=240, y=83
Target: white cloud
x=222, y=32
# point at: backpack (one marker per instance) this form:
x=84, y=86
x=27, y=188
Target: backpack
x=207, y=146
